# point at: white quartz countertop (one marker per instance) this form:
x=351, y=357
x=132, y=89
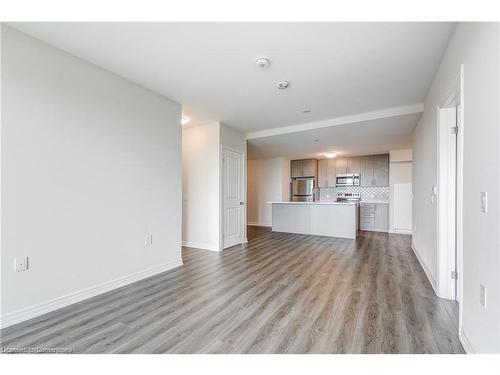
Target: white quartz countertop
x=316, y=203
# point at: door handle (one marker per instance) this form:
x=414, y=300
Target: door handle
x=242, y=203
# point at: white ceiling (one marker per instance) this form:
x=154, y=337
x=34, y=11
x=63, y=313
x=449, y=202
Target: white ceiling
x=335, y=69
x=361, y=138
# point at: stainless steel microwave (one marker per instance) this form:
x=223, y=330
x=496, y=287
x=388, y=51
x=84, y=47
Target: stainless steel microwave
x=349, y=179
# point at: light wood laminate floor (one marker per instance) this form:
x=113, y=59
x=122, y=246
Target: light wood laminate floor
x=280, y=293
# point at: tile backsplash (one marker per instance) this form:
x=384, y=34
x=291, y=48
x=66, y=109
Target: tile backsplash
x=368, y=193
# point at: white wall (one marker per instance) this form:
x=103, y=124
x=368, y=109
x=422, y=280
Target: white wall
x=268, y=180
x=200, y=186
x=201, y=181
x=90, y=162
x=477, y=46
x=400, y=184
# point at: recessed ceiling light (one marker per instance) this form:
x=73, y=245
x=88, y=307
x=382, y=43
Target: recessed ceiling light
x=185, y=120
x=306, y=110
x=262, y=62
x=330, y=155
x=282, y=85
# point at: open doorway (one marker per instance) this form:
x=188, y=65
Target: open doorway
x=450, y=169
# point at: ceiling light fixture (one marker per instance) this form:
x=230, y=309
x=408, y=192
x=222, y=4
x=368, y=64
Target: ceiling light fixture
x=282, y=85
x=330, y=155
x=185, y=120
x=262, y=62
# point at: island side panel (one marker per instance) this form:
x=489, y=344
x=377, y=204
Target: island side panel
x=334, y=220
x=292, y=218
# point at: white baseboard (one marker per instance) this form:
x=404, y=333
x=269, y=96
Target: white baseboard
x=426, y=270
x=469, y=349
x=400, y=231
x=201, y=245
x=255, y=224
x=69, y=299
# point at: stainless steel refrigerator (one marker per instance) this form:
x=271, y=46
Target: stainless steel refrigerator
x=303, y=190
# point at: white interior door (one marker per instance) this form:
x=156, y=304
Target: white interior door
x=232, y=198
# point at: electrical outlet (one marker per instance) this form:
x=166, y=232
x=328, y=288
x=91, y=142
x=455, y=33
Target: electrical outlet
x=148, y=239
x=482, y=295
x=21, y=264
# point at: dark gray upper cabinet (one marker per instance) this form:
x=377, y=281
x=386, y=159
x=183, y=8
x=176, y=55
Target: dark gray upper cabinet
x=323, y=173
x=296, y=168
x=348, y=165
x=309, y=168
x=332, y=173
x=304, y=168
x=326, y=173
x=342, y=166
x=354, y=165
x=366, y=172
x=375, y=170
x=381, y=170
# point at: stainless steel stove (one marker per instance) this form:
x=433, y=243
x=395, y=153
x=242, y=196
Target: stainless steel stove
x=348, y=197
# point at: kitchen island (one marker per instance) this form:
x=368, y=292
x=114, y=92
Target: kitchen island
x=334, y=219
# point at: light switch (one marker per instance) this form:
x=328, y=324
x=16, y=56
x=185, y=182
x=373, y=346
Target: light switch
x=434, y=192
x=148, y=239
x=482, y=295
x=484, y=201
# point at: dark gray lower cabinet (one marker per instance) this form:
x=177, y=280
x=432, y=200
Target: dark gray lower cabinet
x=374, y=217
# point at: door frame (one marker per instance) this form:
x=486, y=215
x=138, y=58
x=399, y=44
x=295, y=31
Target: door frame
x=221, y=195
x=447, y=201
x=454, y=97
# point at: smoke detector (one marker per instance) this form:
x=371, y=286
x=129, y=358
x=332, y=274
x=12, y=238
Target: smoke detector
x=282, y=85
x=262, y=62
